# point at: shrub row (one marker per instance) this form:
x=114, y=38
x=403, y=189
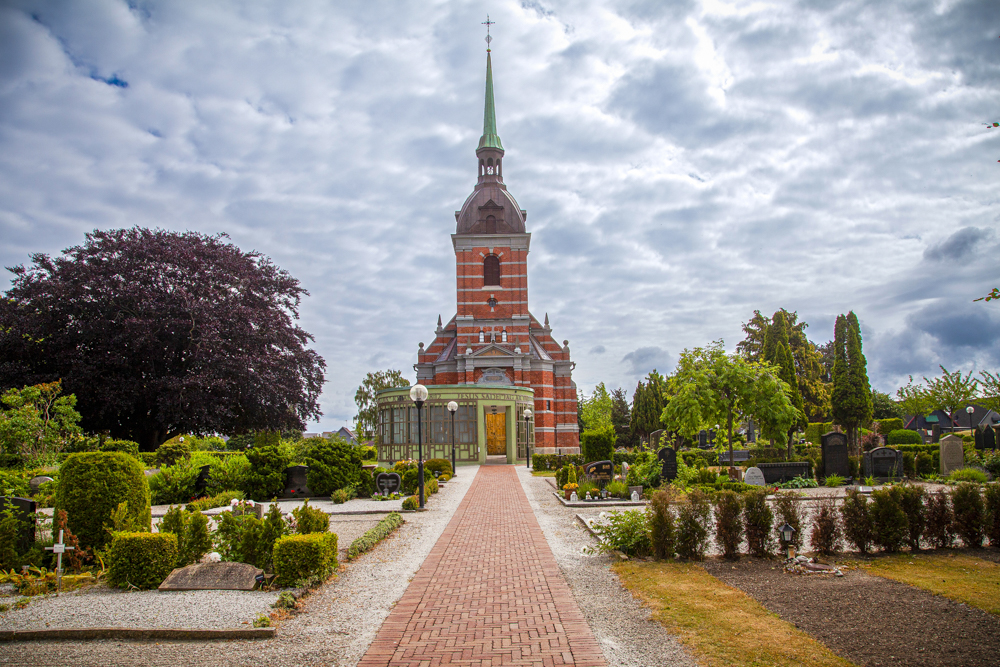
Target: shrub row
x=141, y=560
x=305, y=559
x=382, y=530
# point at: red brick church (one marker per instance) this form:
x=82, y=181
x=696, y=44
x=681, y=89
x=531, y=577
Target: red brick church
x=493, y=339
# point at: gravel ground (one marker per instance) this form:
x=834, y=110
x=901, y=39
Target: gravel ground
x=339, y=623
x=628, y=637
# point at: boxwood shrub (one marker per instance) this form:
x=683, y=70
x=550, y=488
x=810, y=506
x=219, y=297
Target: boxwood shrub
x=92, y=485
x=265, y=477
x=142, y=560
x=441, y=466
x=333, y=464
x=126, y=446
x=305, y=559
x=382, y=530
x=597, y=445
x=902, y=436
x=887, y=426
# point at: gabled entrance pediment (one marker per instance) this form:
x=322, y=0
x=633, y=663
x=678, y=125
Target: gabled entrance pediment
x=493, y=350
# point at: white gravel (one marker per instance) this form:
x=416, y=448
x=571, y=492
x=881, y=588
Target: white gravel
x=622, y=626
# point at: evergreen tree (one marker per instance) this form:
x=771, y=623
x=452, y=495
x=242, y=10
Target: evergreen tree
x=647, y=405
x=778, y=353
x=852, y=395
x=840, y=397
x=621, y=418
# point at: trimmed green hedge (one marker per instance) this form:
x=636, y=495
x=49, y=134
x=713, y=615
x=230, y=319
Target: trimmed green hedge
x=887, y=426
x=382, y=530
x=597, y=445
x=142, y=560
x=904, y=436
x=554, y=461
x=306, y=559
x=441, y=466
x=92, y=485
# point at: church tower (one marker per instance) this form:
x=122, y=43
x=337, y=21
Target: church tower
x=493, y=339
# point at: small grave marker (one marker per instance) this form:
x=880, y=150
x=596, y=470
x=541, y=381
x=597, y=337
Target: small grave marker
x=59, y=548
x=835, y=455
x=36, y=482
x=295, y=482
x=883, y=462
x=783, y=471
x=600, y=471
x=654, y=439
x=212, y=577
x=952, y=454
x=754, y=476
x=388, y=483
x=668, y=464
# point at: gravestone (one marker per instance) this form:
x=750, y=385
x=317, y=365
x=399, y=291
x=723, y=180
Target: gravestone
x=295, y=482
x=936, y=433
x=635, y=491
x=23, y=508
x=952, y=454
x=654, y=439
x=835, y=456
x=884, y=463
x=201, y=483
x=754, y=477
x=600, y=471
x=388, y=483
x=668, y=464
x=751, y=432
x=989, y=438
x=212, y=577
x=36, y=482
x=738, y=455
x=702, y=440
x=783, y=471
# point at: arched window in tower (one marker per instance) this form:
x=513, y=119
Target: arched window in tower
x=482, y=336
x=491, y=265
x=489, y=166
x=482, y=167
x=503, y=335
x=491, y=228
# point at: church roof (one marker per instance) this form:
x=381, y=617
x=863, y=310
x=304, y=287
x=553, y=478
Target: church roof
x=490, y=138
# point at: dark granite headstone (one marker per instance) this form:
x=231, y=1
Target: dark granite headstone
x=668, y=464
x=212, y=577
x=600, y=471
x=24, y=509
x=295, y=482
x=751, y=432
x=388, y=483
x=884, y=463
x=783, y=471
x=989, y=438
x=936, y=433
x=201, y=483
x=703, y=439
x=835, y=456
x=738, y=456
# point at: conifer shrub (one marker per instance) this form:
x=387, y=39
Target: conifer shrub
x=890, y=529
x=991, y=500
x=968, y=475
x=265, y=476
x=939, y=530
x=373, y=536
x=91, y=487
x=911, y=500
x=141, y=560
x=310, y=519
x=662, y=532
x=728, y=523
x=969, y=513
x=694, y=514
x=597, y=445
x=174, y=484
x=191, y=530
x=243, y=538
x=411, y=503
x=857, y=520
x=826, y=532
x=333, y=464
x=229, y=474
x=440, y=466
x=305, y=559
x=172, y=451
x=758, y=517
x=902, y=436
x=787, y=511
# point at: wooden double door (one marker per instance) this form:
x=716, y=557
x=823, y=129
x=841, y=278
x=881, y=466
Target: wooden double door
x=496, y=433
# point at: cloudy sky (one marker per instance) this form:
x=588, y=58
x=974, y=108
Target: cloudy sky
x=682, y=163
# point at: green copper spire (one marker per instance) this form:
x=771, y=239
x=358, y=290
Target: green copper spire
x=490, y=138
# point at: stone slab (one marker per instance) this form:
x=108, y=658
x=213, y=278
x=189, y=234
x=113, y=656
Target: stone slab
x=835, y=455
x=952, y=454
x=212, y=577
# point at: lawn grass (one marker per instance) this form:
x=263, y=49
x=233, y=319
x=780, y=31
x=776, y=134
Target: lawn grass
x=543, y=473
x=956, y=576
x=720, y=625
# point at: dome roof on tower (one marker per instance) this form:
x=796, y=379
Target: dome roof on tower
x=490, y=209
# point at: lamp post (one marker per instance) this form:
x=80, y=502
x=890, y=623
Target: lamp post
x=418, y=394
x=786, y=535
x=972, y=431
x=527, y=435
x=453, y=408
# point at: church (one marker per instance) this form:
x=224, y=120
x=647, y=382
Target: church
x=493, y=358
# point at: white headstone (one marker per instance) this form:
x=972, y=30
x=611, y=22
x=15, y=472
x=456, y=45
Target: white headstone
x=952, y=454
x=754, y=477
x=635, y=496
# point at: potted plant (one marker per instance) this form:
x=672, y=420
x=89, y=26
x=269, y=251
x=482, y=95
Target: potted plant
x=569, y=488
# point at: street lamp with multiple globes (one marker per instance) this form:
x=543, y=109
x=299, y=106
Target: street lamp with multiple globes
x=527, y=435
x=418, y=394
x=453, y=408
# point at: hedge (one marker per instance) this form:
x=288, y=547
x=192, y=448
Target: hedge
x=441, y=466
x=597, y=445
x=816, y=430
x=887, y=426
x=557, y=461
x=92, y=485
x=382, y=530
x=904, y=436
x=142, y=560
x=304, y=558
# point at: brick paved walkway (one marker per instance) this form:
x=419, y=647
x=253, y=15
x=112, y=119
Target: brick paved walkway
x=489, y=593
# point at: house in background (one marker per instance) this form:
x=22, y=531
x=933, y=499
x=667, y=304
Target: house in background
x=924, y=424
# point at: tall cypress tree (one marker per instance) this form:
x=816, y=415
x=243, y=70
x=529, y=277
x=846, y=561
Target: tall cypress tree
x=861, y=406
x=840, y=397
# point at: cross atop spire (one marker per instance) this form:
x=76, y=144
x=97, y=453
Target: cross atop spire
x=488, y=23
x=490, y=138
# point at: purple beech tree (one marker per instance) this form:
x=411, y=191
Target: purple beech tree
x=159, y=333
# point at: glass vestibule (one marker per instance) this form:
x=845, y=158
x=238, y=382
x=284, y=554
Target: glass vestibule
x=398, y=431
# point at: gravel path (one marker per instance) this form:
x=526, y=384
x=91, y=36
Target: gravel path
x=626, y=634
x=340, y=619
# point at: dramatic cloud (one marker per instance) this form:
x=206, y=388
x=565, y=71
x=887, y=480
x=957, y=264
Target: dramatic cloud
x=682, y=163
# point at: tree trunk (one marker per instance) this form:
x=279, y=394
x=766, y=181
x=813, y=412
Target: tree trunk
x=729, y=425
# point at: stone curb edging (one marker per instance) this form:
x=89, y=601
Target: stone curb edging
x=603, y=503
x=135, y=633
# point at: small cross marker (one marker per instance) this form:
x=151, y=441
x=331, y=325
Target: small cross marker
x=59, y=548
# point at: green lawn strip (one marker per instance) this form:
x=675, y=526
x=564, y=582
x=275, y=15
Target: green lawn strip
x=720, y=625
x=960, y=577
x=382, y=530
x=543, y=473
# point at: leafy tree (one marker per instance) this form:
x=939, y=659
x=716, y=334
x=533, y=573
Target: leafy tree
x=366, y=421
x=951, y=391
x=713, y=387
x=160, y=333
x=851, y=399
x=752, y=347
x=913, y=399
x=647, y=405
x=883, y=407
x=36, y=420
x=597, y=410
x=778, y=353
x=991, y=390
